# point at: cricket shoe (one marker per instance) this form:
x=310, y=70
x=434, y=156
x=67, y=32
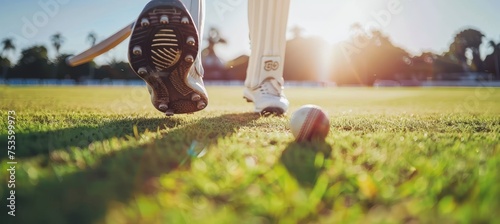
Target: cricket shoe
x=163, y=51
x=268, y=97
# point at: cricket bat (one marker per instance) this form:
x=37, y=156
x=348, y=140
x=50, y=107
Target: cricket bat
x=100, y=48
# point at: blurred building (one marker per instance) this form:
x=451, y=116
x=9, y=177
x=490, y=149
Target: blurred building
x=212, y=64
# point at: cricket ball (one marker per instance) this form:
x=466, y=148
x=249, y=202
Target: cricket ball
x=309, y=123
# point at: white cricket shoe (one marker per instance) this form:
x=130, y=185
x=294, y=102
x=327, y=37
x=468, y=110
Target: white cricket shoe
x=268, y=97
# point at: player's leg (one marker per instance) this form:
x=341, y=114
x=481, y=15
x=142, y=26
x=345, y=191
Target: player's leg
x=264, y=80
x=164, y=51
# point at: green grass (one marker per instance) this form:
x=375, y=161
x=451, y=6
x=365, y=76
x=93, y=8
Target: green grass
x=104, y=155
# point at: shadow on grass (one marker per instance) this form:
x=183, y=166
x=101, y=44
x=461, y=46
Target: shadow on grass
x=305, y=160
x=84, y=196
x=35, y=143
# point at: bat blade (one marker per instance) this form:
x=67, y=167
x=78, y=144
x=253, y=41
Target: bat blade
x=100, y=48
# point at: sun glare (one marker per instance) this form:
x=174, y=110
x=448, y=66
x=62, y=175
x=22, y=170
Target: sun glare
x=331, y=21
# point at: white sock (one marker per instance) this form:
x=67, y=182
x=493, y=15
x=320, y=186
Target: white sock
x=268, y=23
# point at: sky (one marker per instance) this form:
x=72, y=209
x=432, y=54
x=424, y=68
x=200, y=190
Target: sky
x=415, y=25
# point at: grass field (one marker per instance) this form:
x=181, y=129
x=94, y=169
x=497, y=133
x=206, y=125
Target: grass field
x=105, y=155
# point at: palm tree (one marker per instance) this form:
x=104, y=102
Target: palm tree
x=57, y=41
x=8, y=45
x=92, y=39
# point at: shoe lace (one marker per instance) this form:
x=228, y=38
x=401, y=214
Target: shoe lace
x=270, y=87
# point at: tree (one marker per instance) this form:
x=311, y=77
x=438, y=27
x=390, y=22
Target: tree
x=301, y=58
x=116, y=70
x=446, y=64
x=469, y=39
x=92, y=39
x=457, y=50
x=34, y=63
x=7, y=46
x=57, y=41
x=378, y=59
x=68, y=72
x=5, y=65
x=473, y=40
x=492, y=61
x=422, y=67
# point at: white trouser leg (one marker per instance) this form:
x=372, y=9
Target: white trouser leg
x=267, y=22
x=197, y=10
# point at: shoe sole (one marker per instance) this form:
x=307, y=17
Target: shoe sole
x=163, y=47
x=268, y=110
